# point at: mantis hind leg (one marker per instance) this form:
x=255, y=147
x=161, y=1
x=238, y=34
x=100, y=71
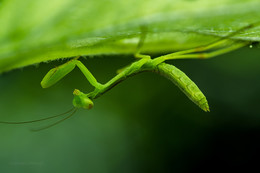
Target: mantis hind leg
x=140, y=44
x=201, y=52
x=205, y=55
x=221, y=46
x=143, y=58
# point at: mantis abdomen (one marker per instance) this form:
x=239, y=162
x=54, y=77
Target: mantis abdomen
x=187, y=86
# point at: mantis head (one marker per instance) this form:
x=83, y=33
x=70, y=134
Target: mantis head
x=81, y=100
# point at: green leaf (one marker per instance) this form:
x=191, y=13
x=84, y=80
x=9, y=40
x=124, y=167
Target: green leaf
x=34, y=31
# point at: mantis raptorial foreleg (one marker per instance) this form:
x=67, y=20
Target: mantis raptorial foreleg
x=57, y=73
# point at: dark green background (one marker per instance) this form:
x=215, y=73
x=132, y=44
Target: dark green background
x=145, y=124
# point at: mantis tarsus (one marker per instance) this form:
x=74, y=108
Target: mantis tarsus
x=144, y=64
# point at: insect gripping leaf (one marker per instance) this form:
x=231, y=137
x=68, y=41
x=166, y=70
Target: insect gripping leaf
x=187, y=86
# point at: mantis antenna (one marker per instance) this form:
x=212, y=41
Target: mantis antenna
x=51, y=125
x=73, y=110
x=38, y=120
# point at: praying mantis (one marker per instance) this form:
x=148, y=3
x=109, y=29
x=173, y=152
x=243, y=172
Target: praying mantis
x=144, y=63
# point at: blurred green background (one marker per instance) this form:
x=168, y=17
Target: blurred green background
x=145, y=124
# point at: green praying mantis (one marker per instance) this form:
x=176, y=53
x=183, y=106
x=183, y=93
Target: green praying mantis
x=144, y=64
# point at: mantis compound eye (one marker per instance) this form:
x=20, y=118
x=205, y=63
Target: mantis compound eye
x=81, y=100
